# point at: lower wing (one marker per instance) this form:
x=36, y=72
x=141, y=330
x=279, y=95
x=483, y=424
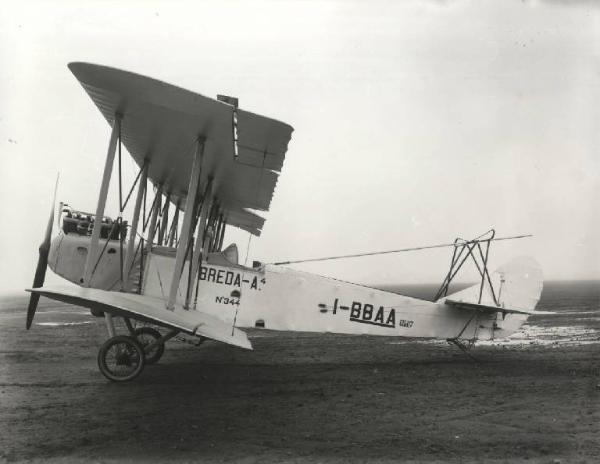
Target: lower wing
x=148, y=309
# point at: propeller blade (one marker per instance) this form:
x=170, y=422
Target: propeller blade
x=42, y=264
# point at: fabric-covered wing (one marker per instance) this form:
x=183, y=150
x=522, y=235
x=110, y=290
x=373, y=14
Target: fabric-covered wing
x=160, y=124
x=148, y=309
x=261, y=142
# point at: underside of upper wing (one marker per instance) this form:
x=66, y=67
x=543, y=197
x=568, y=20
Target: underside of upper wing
x=161, y=123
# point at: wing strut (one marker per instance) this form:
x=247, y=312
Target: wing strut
x=188, y=217
x=130, y=253
x=164, y=220
x=174, y=225
x=108, y=165
x=207, y=203
x=156, y=205
x=95, y=240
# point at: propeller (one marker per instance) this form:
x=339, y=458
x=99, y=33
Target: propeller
x=42, y=264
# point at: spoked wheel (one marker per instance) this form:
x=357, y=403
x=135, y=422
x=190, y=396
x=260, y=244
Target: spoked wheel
x=121, y=358
x=145, y=336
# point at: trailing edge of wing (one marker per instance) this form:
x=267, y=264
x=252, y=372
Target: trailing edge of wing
x=147, y=309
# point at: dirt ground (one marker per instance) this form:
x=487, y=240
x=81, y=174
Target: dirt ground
x=295, y=398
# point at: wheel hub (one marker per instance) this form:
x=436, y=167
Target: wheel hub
x=123, y=358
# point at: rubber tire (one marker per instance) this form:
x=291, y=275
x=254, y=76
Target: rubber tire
x=157, y=352
x=132, y=343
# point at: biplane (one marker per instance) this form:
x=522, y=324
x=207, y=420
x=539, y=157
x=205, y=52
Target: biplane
x=206, y=165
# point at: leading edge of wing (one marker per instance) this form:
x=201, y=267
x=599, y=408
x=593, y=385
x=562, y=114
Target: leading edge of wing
x=97, y=74
x=148, y=309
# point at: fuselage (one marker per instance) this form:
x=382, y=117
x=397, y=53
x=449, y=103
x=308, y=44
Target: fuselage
x=276, y=297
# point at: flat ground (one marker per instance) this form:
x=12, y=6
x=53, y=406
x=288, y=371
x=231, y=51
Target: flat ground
x=296, y=398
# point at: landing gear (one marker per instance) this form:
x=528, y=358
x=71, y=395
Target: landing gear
x=149, y=338
x=121, y=358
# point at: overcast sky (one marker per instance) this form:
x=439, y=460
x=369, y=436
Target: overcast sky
x=415, y=122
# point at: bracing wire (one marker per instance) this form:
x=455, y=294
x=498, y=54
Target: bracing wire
x=401, y=250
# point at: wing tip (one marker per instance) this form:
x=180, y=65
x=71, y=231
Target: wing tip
x=77, y=67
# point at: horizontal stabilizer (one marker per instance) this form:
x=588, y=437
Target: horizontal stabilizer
x=148, y=309
x=512, y=291
x=491, y=309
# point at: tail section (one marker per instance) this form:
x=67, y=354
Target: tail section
x=515, y=287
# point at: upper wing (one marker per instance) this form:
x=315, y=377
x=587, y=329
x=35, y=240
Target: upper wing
x=161, y=123
x=148, y=309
